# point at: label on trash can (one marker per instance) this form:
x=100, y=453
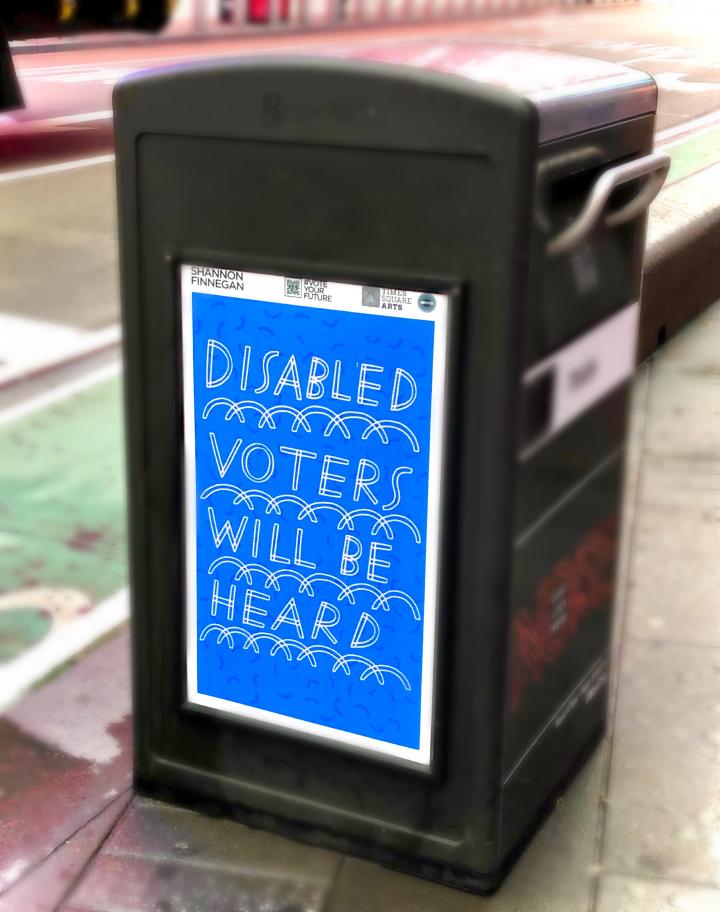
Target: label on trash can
x=314, y=422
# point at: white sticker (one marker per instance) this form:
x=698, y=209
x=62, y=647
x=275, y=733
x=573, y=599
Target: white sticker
x=585, y=371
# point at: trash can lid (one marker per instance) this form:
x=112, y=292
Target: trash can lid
x=572, y=94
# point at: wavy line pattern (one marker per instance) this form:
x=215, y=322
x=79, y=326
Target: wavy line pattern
x=310, y=510
x=286, y=646
x=345, y=590
x=337, y=420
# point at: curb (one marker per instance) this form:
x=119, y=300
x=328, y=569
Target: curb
x=681, y=277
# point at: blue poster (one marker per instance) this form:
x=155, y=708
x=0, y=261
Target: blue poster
x=313, y=441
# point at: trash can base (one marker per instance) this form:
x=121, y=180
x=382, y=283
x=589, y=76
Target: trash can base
x=460, y=878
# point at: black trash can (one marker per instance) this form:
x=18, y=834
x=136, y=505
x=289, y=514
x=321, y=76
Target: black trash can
x=380, y=314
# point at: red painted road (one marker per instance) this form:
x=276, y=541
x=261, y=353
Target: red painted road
x=68, y=93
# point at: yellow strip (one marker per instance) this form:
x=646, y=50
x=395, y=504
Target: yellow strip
x=67, y=10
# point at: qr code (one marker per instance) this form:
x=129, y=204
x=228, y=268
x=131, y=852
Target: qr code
x=293, y=288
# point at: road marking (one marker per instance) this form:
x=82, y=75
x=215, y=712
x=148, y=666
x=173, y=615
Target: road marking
x=29, y=347
x=111, y=73
x=62, y=120
x=107, y=72
x=99, y=71
x=19, y=675
x=19, y=335
x=7, y=177
x=64, y=391
x=28, y=344
x=68, y=119
x=683, y=131
x=680, y=82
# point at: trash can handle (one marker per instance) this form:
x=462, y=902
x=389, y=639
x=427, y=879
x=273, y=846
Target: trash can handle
x=654, y=167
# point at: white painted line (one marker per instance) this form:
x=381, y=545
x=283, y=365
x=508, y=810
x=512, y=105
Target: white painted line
x=68, y=119
x=67, y=641
x=194, y=53
x=29, y=347
x=105, y=336
x=100, y=71
x=41, y=170
x=688, y=129
x=25, y=342
x=64, y=391
x=62, y=120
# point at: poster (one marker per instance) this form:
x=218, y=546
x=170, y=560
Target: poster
x=313, y=422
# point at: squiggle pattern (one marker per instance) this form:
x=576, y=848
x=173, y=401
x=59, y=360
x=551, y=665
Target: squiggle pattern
x=304, y=652
x=346, y=590
x=310, y=510
x=336, y=419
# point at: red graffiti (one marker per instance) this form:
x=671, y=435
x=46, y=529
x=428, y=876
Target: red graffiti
x=577, y=586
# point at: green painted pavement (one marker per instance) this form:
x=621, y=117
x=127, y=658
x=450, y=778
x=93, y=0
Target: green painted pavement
x=694, y=154
x=20, y=628
x=62, y=514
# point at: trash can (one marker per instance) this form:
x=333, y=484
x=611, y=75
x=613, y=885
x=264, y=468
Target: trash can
x=380, y=313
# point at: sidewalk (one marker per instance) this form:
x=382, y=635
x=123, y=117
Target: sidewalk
x=637, y=832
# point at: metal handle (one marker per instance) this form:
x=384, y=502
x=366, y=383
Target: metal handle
x=654, y=167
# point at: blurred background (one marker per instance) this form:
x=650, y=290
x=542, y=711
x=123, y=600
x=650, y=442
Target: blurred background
x=640, y=828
